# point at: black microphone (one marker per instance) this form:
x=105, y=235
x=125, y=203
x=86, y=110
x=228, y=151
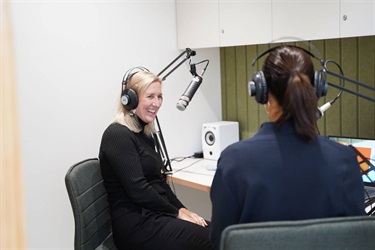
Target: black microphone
x=186, y=97
x=322, y=109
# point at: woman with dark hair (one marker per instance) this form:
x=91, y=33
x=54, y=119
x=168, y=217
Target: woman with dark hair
x=145, y=212
x=289, y=75
x=286, y=171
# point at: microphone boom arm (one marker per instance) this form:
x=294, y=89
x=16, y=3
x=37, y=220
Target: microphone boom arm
x=160, y=143
x=344, y=78
x=188, y=53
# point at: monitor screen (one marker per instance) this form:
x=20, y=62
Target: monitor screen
x=365, y=150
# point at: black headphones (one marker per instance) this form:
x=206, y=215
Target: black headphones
x=258, y=86
x=129, y=98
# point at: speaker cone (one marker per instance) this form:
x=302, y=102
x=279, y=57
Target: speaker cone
x=209, y=137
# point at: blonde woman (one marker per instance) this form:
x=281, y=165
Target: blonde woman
x=146, y=214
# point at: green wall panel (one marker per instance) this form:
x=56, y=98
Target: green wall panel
x=349, y=115
x=349, y=102
x=332, y=121
x=366, y=64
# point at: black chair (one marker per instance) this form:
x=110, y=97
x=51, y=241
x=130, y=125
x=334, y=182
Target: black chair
x=88, y=198
x=343, y=233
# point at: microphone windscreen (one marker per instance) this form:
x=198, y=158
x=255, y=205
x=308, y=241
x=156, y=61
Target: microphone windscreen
x=182, y=103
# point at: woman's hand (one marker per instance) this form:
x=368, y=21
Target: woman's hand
x=185, y=214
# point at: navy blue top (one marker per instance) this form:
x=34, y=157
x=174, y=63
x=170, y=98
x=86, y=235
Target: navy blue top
x=277, y=176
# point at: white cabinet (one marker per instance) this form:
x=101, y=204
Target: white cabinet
x=220, y=23
x=305, y=19
x=197, y=23
x=357, y=18
x=245, y=22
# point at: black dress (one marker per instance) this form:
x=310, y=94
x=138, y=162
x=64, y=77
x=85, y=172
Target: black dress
x=143, y=207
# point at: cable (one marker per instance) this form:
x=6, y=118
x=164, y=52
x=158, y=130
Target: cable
x=325, y=63
x=193, y=70
x=179, y=159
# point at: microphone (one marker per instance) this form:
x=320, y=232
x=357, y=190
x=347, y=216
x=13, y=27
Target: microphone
x=322, y=109
x=186, y=97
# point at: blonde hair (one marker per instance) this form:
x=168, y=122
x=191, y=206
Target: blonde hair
x=138, y=82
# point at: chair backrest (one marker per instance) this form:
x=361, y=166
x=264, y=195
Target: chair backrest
x=343, y=233
x=88, y=197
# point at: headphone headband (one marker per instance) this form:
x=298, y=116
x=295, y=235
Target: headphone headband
x=257, y=85
x=131, y=72
x=274, y=48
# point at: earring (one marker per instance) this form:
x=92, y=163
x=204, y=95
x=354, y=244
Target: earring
x=132, y=112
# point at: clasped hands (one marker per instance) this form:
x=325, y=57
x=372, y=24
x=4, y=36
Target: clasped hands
x=187, y=215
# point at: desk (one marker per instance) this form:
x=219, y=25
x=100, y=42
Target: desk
x=195, y=173
x=198, y=173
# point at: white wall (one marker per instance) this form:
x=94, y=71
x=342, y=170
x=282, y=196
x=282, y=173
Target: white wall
x=70, y=60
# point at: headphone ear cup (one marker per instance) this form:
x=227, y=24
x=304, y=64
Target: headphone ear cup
x=258, y=87
x=320, y=83
x=129, y=99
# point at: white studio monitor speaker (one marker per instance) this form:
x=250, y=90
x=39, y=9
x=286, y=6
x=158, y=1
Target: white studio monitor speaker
x=216, y=136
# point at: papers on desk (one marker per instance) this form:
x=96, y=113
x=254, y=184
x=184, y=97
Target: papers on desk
x=193, y=172
x=195, y=165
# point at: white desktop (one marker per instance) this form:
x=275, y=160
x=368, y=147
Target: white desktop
x=196, y=173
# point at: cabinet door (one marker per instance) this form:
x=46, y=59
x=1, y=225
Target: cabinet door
x=357, y=18
x=306, y=19
x=244, y=22
x=197, y=23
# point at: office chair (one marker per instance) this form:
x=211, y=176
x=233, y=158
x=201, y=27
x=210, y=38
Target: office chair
x=343, y=233
x=88, y=198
